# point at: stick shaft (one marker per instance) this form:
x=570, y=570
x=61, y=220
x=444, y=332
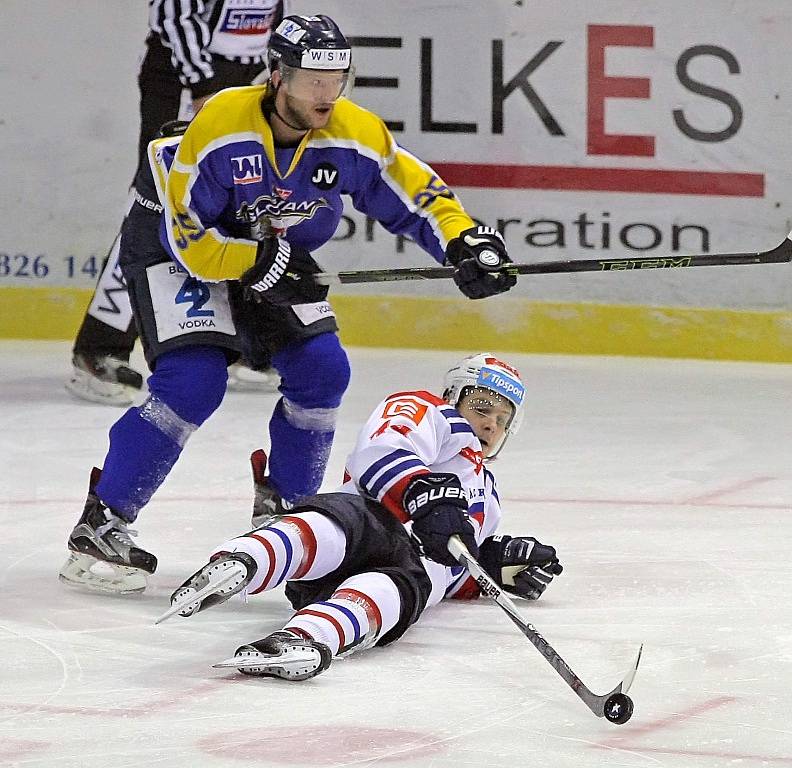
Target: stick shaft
x=778, y=255
x=491, y=589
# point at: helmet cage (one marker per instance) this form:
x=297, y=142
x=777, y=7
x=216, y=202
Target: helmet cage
x=485, y=371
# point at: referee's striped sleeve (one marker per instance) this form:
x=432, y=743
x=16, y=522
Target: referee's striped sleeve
x=181, y=27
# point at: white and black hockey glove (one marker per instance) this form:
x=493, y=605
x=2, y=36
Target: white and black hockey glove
x=437, y=504
x=480, y=263
x=520, y=564
x=283, y=274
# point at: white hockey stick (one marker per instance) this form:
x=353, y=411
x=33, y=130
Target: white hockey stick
x=616, y=706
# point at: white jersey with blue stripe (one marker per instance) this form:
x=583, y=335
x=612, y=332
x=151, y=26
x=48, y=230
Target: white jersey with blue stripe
x=411, y=433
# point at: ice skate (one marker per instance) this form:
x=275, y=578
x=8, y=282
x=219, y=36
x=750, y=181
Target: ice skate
x=242, y=378
x=102, y=556
x=103, y=379
x=268, y=506
x=221, y=578
x=282, y=654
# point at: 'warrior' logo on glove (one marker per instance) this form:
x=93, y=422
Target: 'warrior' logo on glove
x=275, y=272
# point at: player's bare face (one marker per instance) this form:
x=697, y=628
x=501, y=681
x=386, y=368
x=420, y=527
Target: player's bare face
x=489, y=415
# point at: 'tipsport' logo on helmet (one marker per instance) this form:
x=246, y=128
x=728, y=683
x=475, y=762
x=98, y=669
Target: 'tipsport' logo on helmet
x=504, y=385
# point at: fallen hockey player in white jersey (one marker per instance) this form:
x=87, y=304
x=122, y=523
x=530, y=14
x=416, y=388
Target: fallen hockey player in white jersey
x=363, y=564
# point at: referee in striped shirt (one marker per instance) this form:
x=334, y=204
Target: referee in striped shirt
x=194, y=48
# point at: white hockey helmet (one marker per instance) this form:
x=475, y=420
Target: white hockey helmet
x=485, y=371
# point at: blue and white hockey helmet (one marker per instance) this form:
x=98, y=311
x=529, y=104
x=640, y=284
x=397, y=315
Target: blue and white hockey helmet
x=485, y=371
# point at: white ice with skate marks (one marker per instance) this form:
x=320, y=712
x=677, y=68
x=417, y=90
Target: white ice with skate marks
x=664, y=485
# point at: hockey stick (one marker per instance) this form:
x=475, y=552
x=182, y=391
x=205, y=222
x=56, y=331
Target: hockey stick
x=616, y=706
x=778, y=255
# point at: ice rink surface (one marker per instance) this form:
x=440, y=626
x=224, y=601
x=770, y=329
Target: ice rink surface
x=665, y=485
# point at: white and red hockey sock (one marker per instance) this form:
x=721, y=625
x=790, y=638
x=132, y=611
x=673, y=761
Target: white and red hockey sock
x=304, y=545
x=358, y=613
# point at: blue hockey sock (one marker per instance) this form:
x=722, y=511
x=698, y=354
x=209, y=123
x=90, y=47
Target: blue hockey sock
x=186, y=387
x=314, y=377
x=298, y=457
x=140, y=457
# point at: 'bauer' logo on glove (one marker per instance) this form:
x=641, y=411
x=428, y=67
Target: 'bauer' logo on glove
x=434, y=494
x=437, y=504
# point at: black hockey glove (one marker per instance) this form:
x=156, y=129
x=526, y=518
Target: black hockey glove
x=480, y=263
x=520, y=564
x=283, y=274
x=437, y=504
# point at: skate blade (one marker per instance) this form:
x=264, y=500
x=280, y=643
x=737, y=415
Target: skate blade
x=209, y=589
x=252, y=381
x=121, y=579
x=86, y=387
x=249, y=662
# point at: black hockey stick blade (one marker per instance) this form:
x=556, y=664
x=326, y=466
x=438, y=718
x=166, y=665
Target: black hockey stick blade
x=779, y=255
x=600, y=705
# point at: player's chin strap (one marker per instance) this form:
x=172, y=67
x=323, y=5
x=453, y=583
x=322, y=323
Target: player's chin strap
x=494, y=456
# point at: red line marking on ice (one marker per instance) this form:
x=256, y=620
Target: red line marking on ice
x=168, y=500
x=727, y=490
x=325, y=745
x=578, y=178
x=670, y=720
x=679, y=718
x=730, y=756
x=16, y=749
x=787, y=506
x=166, y=701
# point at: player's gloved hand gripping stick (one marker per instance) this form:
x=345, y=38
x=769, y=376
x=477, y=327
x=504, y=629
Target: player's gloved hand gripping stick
x=283, y=274
x=616, y=706
x=480, y=263
x=521, y=565
x=438, y=506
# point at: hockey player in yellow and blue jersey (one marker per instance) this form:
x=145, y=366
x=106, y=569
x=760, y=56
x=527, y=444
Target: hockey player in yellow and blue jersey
x=251, y=189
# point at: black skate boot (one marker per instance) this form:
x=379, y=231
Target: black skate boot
x=222, y=577
x=282, y=654
x=103, y=379
x=268, y=506
x=102, y=538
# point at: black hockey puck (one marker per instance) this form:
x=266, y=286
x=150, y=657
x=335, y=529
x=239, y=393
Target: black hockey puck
x=618, y=708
